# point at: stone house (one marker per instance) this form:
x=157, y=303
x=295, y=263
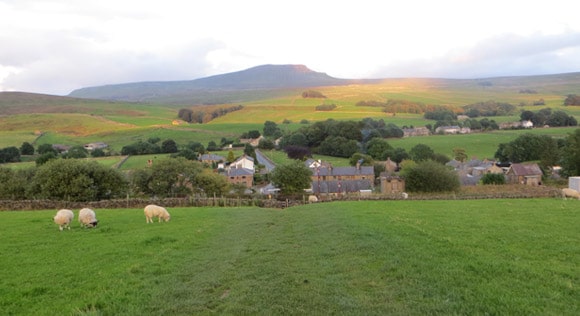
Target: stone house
x=452, y=130
x=338, y=180
x=391, y=184
x=528, y=174
x=244, y=161
x=211, y=159
x=96, y=145
x=417, y=131
x=241, y=176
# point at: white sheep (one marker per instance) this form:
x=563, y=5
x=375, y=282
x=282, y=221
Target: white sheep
x=152, y=211
x=405, y=195
x=88, y=218
x=567, y=192
x=312, y=199
x=63, y=218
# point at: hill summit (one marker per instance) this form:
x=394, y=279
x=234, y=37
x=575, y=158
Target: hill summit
x=264, y=77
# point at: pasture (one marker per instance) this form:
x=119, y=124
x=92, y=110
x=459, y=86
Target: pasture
x=507, y=256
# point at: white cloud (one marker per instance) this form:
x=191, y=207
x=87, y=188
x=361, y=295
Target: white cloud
x=56, y=46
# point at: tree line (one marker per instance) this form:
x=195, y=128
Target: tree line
x=204, y=115
x=548, y=117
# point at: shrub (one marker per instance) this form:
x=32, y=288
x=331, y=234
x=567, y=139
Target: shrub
x=430, y=176
x=493, y=178
x=313, y=94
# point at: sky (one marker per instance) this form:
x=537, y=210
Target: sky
x=57, y=46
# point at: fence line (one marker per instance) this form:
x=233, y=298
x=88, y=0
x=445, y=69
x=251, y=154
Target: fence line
x=9, y=205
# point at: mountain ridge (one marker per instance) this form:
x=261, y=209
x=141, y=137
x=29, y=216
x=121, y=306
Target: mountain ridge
x=258, y=78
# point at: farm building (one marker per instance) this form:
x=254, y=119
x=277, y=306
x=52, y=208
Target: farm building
x=417, y=131
x=97, y=145
x=244, y=161
x=452, y=130
x=241, y=176
x=211, y=158
x=392, y=184
x=528, y=174
x=337, y=180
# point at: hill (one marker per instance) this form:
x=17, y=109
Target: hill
x=245, y=85
x=74, y=120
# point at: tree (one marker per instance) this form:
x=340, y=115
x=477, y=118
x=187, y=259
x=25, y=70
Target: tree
x=211, y=183
x=12, y=184
x=529, y=147
x=338, y=146
x=44, y=158
x=398, y=154
x=231, y=158
x=378, y=148
x=365, y=160
x=266, y=144
x=212, y=146
x=297, y=152
x=173, y=176
x=493, y=178
x=527, y=115
x=292, y=178
x=26, y=149
x=250, y=151
x=76, y=152
x=571, y=155
x=9, y=154
x=168, y=146
x=196, y=147
x=459, y=154
x=78, y=180
x=421, y=152
x=271, y=129
x=254, y=134
x=98, y=152
x=430, y=176
x=46, y=148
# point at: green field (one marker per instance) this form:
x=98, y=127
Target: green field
x=482, y=257
x=476, y=145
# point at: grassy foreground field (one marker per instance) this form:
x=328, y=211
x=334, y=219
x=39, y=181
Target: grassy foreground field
x=349, y=258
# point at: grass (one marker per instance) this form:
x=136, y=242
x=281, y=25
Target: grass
x=479, y=145
x=343, y=258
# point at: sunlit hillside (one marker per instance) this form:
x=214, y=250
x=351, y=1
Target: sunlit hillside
x=41, y=119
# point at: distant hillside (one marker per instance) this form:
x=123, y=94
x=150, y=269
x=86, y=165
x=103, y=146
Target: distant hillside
x=27, y=103
x=245, y=85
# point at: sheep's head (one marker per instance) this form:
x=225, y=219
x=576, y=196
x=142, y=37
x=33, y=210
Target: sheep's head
x=94, y=224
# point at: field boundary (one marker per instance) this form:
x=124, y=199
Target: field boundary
x=281, y=202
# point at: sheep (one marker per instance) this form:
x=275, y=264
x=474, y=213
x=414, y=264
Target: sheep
x=152, y=211
x=63, y=218
x=312, y=199
x=87, y=218
x=567, y=192
x=405, y=195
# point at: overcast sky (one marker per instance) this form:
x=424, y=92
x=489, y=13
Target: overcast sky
x=56, y=46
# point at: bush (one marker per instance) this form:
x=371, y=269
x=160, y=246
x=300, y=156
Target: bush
x=313, y=94
x=430, y=176
x=493, y=178
x=325, y=107
x=78, y=180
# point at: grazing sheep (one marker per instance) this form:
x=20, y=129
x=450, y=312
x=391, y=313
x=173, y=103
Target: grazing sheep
x=87, y=218
x=63, y=218
x=405, y=195
x=152, y=211
x=312, y=199
x=567, y=192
